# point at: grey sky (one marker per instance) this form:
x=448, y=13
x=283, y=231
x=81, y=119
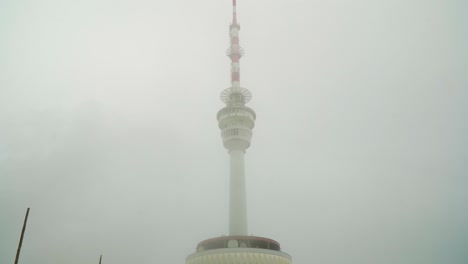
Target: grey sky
x=108, y=129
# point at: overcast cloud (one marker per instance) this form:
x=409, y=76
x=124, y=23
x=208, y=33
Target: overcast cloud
x=108, y=129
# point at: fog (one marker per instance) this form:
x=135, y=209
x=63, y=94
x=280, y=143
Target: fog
x=108, y=129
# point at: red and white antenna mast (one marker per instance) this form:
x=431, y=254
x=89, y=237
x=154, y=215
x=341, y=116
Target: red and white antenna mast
x=235, y=52
x=234, y=15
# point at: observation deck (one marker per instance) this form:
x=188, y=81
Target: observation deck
x=236, y=124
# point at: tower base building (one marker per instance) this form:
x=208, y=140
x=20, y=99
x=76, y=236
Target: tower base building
x=238, y=249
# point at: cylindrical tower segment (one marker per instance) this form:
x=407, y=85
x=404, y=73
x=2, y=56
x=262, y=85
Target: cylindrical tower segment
x=237, y=199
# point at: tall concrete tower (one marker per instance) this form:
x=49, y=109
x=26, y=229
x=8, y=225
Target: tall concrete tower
x=236, y=122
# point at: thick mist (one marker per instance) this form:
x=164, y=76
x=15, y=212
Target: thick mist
x=108, y=129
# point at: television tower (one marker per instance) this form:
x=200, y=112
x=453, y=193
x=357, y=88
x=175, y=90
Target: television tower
x=236, y=122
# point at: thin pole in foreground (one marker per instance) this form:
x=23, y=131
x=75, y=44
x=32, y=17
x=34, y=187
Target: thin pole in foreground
x=21, y=238
x=100, y=258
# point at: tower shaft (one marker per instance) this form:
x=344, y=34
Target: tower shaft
x=237, y=195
